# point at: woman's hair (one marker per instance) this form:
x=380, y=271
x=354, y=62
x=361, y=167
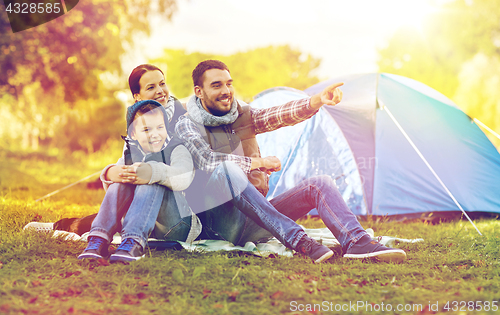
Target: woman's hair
x=136, y=75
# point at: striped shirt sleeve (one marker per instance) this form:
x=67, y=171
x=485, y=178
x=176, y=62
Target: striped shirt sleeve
x=288, y=114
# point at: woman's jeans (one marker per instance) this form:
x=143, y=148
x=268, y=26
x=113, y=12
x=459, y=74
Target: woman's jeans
x=144, y=209
x=239, y=213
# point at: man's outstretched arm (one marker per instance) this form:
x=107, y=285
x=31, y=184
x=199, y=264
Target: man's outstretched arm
x=294, y=112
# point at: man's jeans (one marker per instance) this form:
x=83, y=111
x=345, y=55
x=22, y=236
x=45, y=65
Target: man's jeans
x=142, y=207
x=258, y=218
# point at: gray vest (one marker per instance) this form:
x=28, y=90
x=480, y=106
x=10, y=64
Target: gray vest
x=239, y=138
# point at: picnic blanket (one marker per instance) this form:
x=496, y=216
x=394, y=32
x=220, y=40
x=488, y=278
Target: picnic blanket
x=271, y=247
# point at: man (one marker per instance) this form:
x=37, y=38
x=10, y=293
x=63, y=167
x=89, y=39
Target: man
x=220, y=134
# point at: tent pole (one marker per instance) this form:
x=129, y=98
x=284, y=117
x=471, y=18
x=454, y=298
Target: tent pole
x=68, y=186
x=477, y=121
x=383, y=107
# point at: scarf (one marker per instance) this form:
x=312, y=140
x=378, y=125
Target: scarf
x=201, y=116
x=170, y=108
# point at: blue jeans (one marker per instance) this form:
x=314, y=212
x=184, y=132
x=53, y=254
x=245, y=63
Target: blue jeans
x=143, y=208
x=240, y=213
x=174, y=219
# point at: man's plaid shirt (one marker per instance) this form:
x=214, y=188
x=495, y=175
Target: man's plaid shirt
x=264, y=120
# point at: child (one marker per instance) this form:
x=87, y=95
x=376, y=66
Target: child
x=148, y=177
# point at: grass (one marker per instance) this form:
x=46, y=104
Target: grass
x=40, y=274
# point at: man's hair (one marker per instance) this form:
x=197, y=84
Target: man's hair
x=203, y=66
x=136, y=75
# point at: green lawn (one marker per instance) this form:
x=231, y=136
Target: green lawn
x=455, y=270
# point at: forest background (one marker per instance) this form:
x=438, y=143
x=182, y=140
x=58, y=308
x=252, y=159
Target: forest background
x=63, y=87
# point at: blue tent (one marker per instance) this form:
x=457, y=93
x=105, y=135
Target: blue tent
x=393, y=145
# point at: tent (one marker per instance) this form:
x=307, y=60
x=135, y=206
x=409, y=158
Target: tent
x=394, y=146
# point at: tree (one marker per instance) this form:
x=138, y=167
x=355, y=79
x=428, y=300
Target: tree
x=177, y=66
x=52, y=67
x=426, y=59
x=478, y=91
x=457, y=53
x=253, y=71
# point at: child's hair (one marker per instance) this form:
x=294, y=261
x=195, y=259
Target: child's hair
x=140, y=108
x=144, y=109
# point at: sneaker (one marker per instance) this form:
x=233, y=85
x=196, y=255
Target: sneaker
x=96, y=249
x=316, y=251
x=129, y=250
x=39, y=226
x=368, y=248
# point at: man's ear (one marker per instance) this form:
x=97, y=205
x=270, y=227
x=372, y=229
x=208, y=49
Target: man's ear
x=137, y=97
x=197, y=92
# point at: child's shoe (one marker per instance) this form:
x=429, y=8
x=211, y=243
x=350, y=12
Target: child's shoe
x=129, y=250
x=368, y=248
x=96, y=249
x=316, y=251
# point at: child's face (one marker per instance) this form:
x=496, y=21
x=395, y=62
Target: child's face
x=149, y=130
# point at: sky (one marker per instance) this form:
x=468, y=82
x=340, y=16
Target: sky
x=344, y=34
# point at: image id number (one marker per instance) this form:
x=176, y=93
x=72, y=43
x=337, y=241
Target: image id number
x=463, y=306
x=25, y=8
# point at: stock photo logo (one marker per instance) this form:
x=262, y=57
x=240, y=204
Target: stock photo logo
x=25, y=14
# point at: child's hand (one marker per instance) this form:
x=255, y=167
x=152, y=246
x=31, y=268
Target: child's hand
x=143, y=172
x=137, y=173
x=127, y=174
